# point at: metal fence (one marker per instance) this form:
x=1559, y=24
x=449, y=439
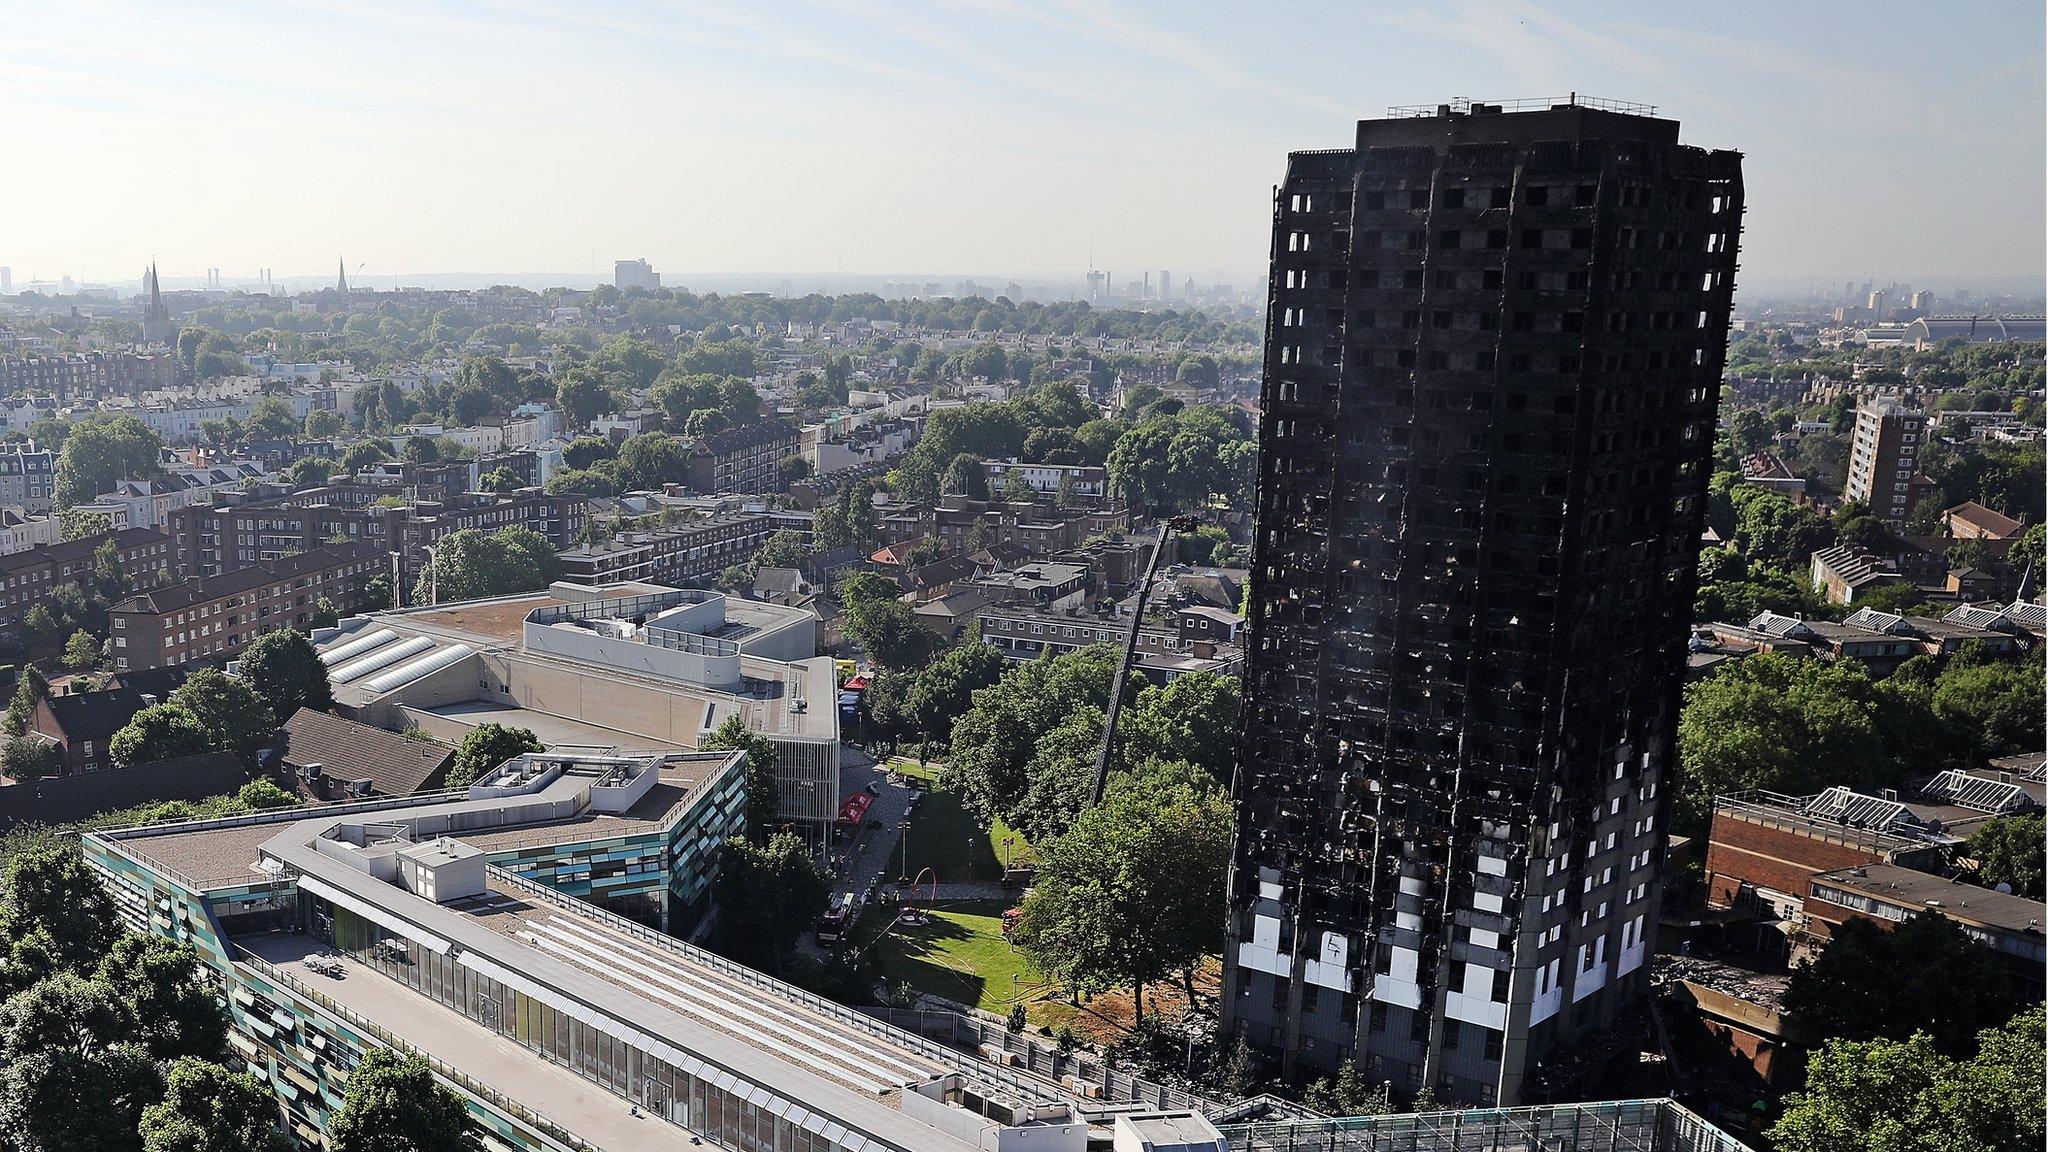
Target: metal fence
x=1604, y=1126
x=972, y=1035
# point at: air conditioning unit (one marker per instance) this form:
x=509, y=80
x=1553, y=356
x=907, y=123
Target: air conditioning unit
x=1085, y=1088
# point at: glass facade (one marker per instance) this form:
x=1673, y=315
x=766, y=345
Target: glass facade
x=713, y=1103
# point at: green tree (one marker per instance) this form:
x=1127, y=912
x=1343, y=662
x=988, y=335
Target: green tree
x=890, y=632
x=470, y=565
x=764, y=791
x=270, y=418
x=206, y=1108
x=485, y=747
x=995, y=740
x=228, y=708
x=311, y=472
x=81, y=652
x=56, y=914
x=785, y=549
x=77, y=524
x=323, y=424
x=767, y=895
x=71, y=1077
x=102, y=449
x=653, y=459
x=31, y=757
x=1134, y=893
x=501, y=480
x=863, y=588
x=284, y=670
x=176, y=1015
x=965, y=477
x=585, y=451
x=1923, y=975
x=29, y=692
x=944, y=689
x=394, y=1104
x=1779, y=722
x=2010, y=851
x=1887, y=1095
x=1192, y=718
x=160, y=732
x=364, y=453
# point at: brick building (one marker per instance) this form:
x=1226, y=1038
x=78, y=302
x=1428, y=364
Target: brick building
x=210, y=540
x=27, y=578
x=744, y=459
x=214, y=617
x=91, y=374
x=676, y=553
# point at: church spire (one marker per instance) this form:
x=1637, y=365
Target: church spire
x=341, y=276
x=156, y=319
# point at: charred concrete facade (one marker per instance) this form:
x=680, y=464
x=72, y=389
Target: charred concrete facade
x=1494, y=349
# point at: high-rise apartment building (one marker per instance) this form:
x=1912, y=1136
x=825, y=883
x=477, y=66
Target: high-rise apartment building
x=1494, y=348
x=1884, y=457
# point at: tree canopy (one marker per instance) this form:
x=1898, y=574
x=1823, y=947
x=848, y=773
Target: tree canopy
x=394, y=1104
x=1923, y=975
x=485, y=747
x=764, y=792
x=1890, y=1095
x=284, y=670
x=767, y=895
x=1134, y=892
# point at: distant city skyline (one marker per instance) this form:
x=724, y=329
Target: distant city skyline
x=847, y=137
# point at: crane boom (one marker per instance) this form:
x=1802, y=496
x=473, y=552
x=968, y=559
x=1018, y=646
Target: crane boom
x=1123, y=667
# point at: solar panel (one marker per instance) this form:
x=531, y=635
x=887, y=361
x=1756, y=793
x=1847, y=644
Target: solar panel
x=1854, y=808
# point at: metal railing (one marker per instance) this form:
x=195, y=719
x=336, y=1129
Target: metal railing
x=970, y=1033
x=1465, y=104
x=1778, y=810
x=1604, y=1126
x=540, y=1123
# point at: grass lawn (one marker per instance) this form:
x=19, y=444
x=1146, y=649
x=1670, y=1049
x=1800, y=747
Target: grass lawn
x=962, y=956
x=945, y=837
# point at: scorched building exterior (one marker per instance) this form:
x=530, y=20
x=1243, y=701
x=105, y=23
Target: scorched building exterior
x=1494, y=348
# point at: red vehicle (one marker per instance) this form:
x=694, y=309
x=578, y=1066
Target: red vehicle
x=833, y=925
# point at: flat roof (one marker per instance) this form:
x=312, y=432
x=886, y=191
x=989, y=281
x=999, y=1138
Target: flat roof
x=553, y=731
x=660, y=991
x=1907, y=887
x=543, y=1086
x=501, y=620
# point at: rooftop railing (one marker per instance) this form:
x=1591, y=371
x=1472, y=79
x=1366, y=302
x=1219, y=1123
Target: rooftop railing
x=557, y=1136
x=1602, y=1126
x=1464, y=105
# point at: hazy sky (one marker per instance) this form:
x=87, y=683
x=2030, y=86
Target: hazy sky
x=986, y=136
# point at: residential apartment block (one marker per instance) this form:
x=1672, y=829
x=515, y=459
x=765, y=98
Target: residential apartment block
x=212, y=618
x=677, y=553
x=1494, y=350
x=234, y=533
x=28, y=476
x=27, y=578
x=1884, y=453
x=744, y=459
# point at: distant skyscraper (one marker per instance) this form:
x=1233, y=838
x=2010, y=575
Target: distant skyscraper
x=157, y=325
x=1165, y=284
x=634, y=274
x=1494, y=350
x=6, y=280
